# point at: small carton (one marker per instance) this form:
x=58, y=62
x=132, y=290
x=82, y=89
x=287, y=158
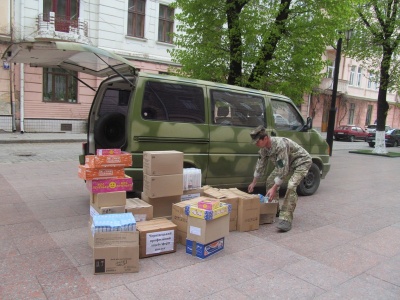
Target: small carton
x=203, y=251
x=248, y=211
x=108, y=199
x=107, y=185
x=190, y=194
x=204, y=232
x=94, y=210
x=156, y=163
x=209, y=204
x=196, y=212
x=87, y=173
x=181, y=237
x=156, y=237
x=163, y=186
x=162, y=206
x=268, y=212
x=108, y=151
x=109, y=161
x=141, y=210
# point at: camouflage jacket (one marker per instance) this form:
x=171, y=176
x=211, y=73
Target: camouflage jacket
x=284, y=154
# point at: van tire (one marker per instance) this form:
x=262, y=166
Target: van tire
x=309, y=185
x=109, y=130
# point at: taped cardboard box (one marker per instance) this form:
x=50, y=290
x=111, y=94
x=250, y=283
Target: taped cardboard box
x=248, y=211
x=87, y=173
x=108, y=199
x=203, y=251
x=94, y=210
x=204, y=232
x=107, y=185
x=115, y=252
x=190, y=194
x=156, y=237
x=162, y=206
x=141, y=210
x=109, y=161
x=268, y=212
x=163, y=186
x=157, y=163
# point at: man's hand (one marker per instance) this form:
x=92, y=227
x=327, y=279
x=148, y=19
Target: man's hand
x=250, y=189
x=272, y=192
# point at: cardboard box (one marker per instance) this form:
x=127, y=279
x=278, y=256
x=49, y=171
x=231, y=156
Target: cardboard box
x=94, y=210
x=209, y=204
x=109, y=161
x=196, y=212
x=108, y=151
x=141, y=210
x=156, y=237
x=163, y=186
x=204, y=232
x=268, y=212
x=156, y=163
x=248, y=211
x=107, y=185
x=162, y=207
x=190, y=194
x=115, y=252
x=87, y=173
x=108, y=199
x=178, y=213
x=181, y=237
x=203, y=251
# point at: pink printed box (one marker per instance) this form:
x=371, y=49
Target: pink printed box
x=109, y=161
x=108, y=185
x=108, y=151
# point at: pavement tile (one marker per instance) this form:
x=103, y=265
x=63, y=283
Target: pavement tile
x=25, y=229
x=348, y=259
x=70, y=237
x=361, y=288
x=79, y=254
x=7, y=248
x=64, y=284
x=388, y=271
x=119, y=292
x=50, y=210
x=21, y=290
x=229, y=293
x=278, y=285
x=384, y=242
x=316, y=240
x=317, y=274
x=66, y=223
x=34, y=243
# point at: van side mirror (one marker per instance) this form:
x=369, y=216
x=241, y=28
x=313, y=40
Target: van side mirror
x=308, y=124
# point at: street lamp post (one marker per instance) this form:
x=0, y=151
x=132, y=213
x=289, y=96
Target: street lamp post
x=332, y=110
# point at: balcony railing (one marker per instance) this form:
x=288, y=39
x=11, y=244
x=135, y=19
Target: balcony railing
x=327, y=84
x=54, y=27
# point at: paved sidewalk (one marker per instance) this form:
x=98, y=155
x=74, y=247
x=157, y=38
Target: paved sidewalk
x=61, y=137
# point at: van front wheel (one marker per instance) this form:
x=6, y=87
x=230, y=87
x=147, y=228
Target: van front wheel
x=309, y=185
x=109, y=130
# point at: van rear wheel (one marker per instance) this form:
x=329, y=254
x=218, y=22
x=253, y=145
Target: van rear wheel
x=309, y=185
x=109, y=130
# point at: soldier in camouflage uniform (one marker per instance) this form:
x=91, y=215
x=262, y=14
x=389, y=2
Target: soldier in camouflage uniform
x=288, y=158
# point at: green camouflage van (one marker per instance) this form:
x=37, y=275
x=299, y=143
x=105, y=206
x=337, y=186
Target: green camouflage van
x=209, y=122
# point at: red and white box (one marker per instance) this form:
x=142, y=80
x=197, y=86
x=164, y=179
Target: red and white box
x=108, y=151
x=109, y=161
x=87, y=173
x=107, y=185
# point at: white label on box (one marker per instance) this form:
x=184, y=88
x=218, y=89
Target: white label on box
x=189, y=196
x=93, y=212
x=140, y=217
x=158, y=242
x=195, y=230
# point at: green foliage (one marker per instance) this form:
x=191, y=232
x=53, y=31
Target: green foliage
x=279, y=53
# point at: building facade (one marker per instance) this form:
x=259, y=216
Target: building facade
x=50, y=99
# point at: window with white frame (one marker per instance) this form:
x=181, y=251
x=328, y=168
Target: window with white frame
x=59, y=86
x=352, y=75
x=165, y=24
x=351, y=113
x=359, y=74
x=331, y=69
x=372, y=82
x=136, y=18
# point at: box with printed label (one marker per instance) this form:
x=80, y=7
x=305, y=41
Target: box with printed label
x=203, y=251
x=141, y=210
x=87, y=173
x=162, y=206
x=268, y=212
x=156, y=237
x=196, y=212
x=163, y=186
x=107, y=185
x=209, y=204
x=204, y=232
x=248, y=211
x=158, y=163
x=109, y=161
x=94, y=210
x=116, y=151
x=108, y=199
x=190, y=194
x=115, y=252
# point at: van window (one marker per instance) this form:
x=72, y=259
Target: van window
x=235, y=109
x=173, y=102
x=114, y=101
x=286, y=116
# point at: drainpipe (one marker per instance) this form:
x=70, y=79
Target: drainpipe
x=22, y=73
x=12, y=94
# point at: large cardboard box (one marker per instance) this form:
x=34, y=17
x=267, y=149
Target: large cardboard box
x=190, y=194
x=204, y=232
x=94, y=210
x=108, y=199
x=141, y=210
x=248, y=211
x=106, y=185
x=115, y=252
x=203, y=251
x=268, y=212
x=87, y=173
x=163, y=186
x=196, y=212
x=109, y=161
x=157, y=236
x=157, y=163
x=162, y=206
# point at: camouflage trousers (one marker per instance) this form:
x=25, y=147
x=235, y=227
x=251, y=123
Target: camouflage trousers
x=290, y=199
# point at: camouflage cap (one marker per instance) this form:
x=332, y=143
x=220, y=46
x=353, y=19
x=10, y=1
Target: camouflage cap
x=257, y=133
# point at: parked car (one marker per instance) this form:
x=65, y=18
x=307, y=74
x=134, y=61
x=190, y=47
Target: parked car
x=372, y=128
x=392, y=138
x=350, y=133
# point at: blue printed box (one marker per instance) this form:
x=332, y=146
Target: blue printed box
x=203, y=251
x=205, y=214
